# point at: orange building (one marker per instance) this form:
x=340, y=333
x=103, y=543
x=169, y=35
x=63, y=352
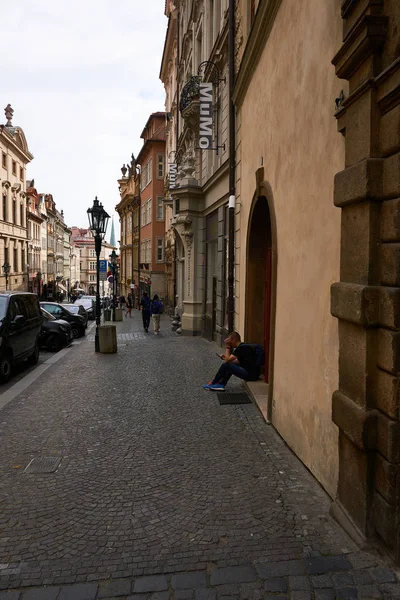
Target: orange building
x=151, y=159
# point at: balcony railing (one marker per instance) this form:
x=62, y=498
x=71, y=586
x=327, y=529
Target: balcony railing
x=190, y=91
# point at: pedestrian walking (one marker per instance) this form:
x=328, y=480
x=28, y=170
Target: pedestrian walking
x=156, y=310
x=145, y=305
x=240, y=360
x=129, y=303
x=122, y=301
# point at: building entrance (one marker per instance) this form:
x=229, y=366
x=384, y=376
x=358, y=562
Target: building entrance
x=259, y=279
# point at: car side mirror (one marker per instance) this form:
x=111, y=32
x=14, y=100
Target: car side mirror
x=18, y=320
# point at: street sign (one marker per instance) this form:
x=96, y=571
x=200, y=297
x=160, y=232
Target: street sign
x=103, y=270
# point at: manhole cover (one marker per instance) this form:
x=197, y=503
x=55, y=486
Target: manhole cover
x=43, y=464
x=229, y=398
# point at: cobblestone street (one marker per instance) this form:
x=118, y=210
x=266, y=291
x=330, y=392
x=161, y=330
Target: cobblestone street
x=156, y=491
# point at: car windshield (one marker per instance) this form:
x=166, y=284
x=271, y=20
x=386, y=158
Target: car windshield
x=3, y=306
x=71, y=308
x=47, y=315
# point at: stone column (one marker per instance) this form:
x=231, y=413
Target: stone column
x=367, y=299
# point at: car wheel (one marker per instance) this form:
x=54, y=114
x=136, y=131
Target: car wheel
x=75, y=332
x=5, y=368
x=53, y=343
x=34, y=357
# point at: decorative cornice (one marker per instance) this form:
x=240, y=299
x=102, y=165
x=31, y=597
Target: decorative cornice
x=349, y=5
x=259, y=34
x=367, y=36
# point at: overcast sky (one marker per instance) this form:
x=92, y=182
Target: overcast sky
x=82, y=78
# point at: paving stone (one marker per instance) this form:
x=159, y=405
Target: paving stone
x=116, y=587
x=362, y=577
x=79, y=591
x=276, y=585
x=183, y=594
x=195, y=579
x=233, y=575
x=299, y=582
x=347, y=594
x=326, y=564
x=159, y=596
x=383, y=575
x=324, y=595
x=205, y=594
x=41, y=594
x=342, y=580
x=301, y=595
x=322, y=581
x=280, y=569
x=368, y=591
x=138, y=597
x=11, y=595
x=150, y=583
x=276, y=597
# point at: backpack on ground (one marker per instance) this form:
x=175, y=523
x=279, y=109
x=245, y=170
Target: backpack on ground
x=260, y=354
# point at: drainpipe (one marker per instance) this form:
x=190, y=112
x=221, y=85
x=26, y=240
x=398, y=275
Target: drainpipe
x=175, y=289
x=232, y=169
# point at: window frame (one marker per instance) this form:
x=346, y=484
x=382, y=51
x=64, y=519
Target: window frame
x=4, y=160
x=14, y=167
x=160, y=204
x=160, y=246
x=162, y=157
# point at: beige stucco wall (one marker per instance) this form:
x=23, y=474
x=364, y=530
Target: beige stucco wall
x=288, y=119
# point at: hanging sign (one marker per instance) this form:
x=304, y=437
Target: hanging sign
x=206, y=113
x=172, y=175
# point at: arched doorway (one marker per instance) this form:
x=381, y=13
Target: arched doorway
x=260, y=280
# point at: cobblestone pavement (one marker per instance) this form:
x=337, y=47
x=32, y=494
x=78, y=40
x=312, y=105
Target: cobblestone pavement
x=158, y=492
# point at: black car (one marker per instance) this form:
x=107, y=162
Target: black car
x=20, y=323
x=55, y=333
x=77, y=309
x=59, y=312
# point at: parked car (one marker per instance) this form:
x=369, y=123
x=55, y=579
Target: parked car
x=20, y=324
x=55, y=333
x=59, y=312
x=77, y=309
x=88, y=303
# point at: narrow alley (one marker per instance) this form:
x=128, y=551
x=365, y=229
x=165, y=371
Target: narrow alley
x=143, y=486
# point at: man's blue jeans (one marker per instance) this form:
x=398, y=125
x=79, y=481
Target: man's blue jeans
x=226, y=371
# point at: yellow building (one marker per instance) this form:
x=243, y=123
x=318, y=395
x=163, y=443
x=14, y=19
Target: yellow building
x=128, y=211
x=14, y=156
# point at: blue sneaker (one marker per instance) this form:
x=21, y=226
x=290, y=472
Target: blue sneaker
x=216, y=387
x=206, y=386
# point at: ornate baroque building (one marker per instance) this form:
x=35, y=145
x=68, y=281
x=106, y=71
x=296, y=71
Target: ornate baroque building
x=195, y=51
x=14, y=156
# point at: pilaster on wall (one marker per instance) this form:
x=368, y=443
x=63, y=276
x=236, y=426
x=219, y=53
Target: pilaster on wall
x=367, y=299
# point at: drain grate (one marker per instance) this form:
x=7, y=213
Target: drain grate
x=232, y=398
x=43, y=464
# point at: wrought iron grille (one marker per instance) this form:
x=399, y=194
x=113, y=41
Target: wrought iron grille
x=190, y=91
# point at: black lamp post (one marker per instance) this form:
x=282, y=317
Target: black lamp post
x=6, y=269
x=114, y=266
x=98, y=221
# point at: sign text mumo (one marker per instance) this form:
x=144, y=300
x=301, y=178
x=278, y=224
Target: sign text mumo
x=206, y=113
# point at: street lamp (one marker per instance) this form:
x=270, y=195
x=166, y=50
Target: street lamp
x=114, y=266
x=6, y=269
x=98, y=221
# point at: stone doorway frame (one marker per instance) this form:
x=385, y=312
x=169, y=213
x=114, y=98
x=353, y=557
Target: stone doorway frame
x=264, y=191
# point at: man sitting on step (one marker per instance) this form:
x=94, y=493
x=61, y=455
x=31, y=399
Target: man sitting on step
x=239, y=360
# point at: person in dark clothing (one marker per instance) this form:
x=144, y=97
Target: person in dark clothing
x=145, y=306
x=239, y=360
x=129, y=305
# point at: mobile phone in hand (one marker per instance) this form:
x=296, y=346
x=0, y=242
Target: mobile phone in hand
x=219, y=356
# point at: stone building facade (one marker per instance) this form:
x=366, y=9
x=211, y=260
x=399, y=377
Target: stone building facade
x=196, y=45
x=35, y=221
x=317, y=227
x=15, y=157
x=128, y=210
